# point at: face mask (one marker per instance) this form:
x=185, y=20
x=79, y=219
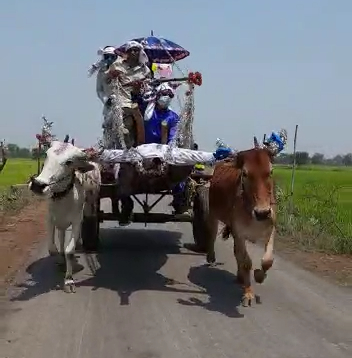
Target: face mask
x=109, y=59
x=164, y=101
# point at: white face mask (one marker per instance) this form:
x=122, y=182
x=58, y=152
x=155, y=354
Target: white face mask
x=164, y=101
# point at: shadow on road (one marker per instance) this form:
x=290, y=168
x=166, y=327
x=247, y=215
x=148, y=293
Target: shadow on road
x=129, y=261
x=224, y=294
x=45, y=276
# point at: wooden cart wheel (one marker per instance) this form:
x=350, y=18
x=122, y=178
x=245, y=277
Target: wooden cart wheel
x=200, y=217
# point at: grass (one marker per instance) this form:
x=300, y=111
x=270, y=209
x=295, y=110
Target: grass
x=16, y=171
x=321, y=216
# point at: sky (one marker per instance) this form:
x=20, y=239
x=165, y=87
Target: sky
x=266, y=65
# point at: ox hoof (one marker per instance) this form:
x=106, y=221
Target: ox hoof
x=259, y=276
x=53, y=252
x=211, y=259
x=211, y=264
x=247, y=299
x=69, y=286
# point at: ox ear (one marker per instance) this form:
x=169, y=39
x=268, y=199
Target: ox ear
x=84, y=166
x=255, y=141
x=238, y=160
x=67, y=137
x=73, y=141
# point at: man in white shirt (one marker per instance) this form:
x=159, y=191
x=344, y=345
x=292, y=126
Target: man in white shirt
x=130, y=71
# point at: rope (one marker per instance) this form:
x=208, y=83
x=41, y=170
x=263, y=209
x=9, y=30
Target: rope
x=116, y=118
x=119, y=127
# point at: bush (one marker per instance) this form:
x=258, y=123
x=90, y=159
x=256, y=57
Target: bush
x=13, y=199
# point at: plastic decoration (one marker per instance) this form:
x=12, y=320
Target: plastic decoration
x=195, y=78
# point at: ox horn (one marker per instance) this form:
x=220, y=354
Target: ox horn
x=73, y=141
x=67, y=137
x=256, y=143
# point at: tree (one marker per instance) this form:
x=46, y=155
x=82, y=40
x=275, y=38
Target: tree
x=337, y=160
x=24, y=153
x=347, y=159
x=34, y=153
x=302, y=158
x=12, y=149
x=317, y=158
x=284, y=158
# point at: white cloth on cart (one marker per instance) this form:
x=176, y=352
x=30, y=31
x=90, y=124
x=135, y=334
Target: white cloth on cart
x=179, y=156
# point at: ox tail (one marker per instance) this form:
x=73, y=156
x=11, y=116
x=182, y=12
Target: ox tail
x=226, y=232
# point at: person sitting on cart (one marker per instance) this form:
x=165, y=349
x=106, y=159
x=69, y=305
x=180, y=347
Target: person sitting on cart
x=160, y=121
x=131, y=71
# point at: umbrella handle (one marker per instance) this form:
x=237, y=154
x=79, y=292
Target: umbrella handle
x=163, y=80
x=193, y=78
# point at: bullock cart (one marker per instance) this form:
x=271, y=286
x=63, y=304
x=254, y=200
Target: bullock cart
x=141, y=185
x=151, y=177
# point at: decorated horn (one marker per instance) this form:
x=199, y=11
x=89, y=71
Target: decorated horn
x=276, y=142
x=255, y=141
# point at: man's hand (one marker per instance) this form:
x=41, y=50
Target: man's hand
x=112, y=74
x=136, y=87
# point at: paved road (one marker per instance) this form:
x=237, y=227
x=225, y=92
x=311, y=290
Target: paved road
x=145, y=296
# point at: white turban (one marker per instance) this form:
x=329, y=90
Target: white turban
x=143, y=58
x=108, y=50
x=163, y=87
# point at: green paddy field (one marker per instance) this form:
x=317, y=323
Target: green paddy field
x=310, y=182
x=17, y=171
x=324, y=183
x=322, y=206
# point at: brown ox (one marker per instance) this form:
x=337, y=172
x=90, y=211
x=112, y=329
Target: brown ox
x=241, y=195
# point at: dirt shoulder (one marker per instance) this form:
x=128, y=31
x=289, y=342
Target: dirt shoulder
x=19, y=233
x=335, y=268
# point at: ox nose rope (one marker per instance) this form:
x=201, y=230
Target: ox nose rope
x=60, y=194
x=242, y=193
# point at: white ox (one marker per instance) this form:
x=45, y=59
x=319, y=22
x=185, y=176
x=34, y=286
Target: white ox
x=71, y=183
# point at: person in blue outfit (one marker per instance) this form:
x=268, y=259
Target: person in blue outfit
x=160, y=125
x=160, y=121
